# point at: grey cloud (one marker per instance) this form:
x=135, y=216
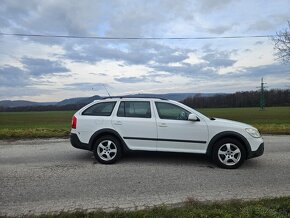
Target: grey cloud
x=259, y=43
x=221, y=62
x=131, y=79
x=96, y=52
x=271, y=23
x=17, y=82
x=133, y=53
x=219, y=59
x=106, y=18
x=186, y=69
x=170, y=58
x=40, y=67
x=13, y=14
x=13, y=77
x=253, y=74
x=212, y=5
x=73, y=17
x=220, y=29
x=265, y=70
x=165, y=54
x=213, y=60
x=111, y=18
x=278, y=69
x=261, y=25
x=141, y=18
x=150, y=77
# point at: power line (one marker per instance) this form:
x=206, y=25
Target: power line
x=134, y=38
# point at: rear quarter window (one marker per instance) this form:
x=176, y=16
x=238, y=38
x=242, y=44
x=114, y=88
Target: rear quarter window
x=100, y=109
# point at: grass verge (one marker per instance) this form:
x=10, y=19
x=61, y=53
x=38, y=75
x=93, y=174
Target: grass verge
x=275, y=129
x=31, y=133
x=276, y=207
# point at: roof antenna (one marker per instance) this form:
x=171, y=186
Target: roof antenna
x=106, y=90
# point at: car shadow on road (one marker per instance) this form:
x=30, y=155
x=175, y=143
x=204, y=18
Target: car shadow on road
x=140, y=157
x=167, y=158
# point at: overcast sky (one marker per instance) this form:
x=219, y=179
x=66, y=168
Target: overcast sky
x=51, y=69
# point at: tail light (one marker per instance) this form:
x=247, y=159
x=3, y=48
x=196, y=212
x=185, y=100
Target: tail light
x=74, y=122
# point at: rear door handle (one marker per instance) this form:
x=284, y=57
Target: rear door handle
x=118, y=123
x=162, y=125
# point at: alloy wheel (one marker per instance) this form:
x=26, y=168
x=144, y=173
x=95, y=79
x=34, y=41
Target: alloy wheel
x=107, y=150
x=229, y=154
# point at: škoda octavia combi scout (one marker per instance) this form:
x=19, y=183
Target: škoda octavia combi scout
x=111, y=126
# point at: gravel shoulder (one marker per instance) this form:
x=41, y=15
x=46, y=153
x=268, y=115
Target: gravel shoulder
x=39, y=176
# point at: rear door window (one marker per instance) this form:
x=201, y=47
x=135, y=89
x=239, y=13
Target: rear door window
x=140, y=109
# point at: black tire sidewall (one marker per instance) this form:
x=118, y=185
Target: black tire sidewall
x=222, y=142
x=118, y=146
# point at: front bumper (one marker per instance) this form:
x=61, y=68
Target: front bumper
x=258, y=152
x=75, y=141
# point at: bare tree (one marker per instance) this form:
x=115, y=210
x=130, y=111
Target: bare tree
x=282, y=44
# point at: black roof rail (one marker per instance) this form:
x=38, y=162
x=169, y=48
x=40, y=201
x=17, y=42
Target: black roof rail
x=130, y=96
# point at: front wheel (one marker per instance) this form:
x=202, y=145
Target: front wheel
x=229, y=153
x=107, y=150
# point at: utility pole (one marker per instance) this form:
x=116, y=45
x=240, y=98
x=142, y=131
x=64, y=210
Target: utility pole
x=262, y=95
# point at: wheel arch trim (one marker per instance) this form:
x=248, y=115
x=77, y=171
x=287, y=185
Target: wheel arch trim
x=107, y=131
x=228, y=134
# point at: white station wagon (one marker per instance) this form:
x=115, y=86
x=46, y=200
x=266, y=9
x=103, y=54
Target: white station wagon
x=111, y=126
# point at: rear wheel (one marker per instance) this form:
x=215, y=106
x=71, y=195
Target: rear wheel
x=107, y=150
x=229, y=153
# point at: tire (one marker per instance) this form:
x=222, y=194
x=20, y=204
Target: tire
x=107, y=149
x=229, y=153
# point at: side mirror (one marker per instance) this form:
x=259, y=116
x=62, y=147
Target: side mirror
x=193, y=117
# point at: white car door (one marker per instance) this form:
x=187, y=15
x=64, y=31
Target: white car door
x=176, y=133
x=136, y=123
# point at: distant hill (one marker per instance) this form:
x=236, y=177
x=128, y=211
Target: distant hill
x=81, y=100
x=86, y=100
x=20, y=103
x=70, y=101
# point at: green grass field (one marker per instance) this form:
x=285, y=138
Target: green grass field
x=274, y=120
x=35, y=124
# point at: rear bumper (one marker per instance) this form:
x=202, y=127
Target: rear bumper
x=75, y=142
x=258, y=152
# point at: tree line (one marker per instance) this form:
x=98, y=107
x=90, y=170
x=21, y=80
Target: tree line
x=67, y=107
x=273, y=97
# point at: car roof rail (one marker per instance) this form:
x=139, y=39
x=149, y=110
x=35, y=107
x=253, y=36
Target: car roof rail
x=130, y=96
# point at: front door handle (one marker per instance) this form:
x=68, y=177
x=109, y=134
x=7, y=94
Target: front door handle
x=118, y=123
x=162, y=125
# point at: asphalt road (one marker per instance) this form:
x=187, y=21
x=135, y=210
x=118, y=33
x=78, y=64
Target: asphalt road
x=49, y=175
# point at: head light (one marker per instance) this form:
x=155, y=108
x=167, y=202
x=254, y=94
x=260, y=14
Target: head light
x=253, y=132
